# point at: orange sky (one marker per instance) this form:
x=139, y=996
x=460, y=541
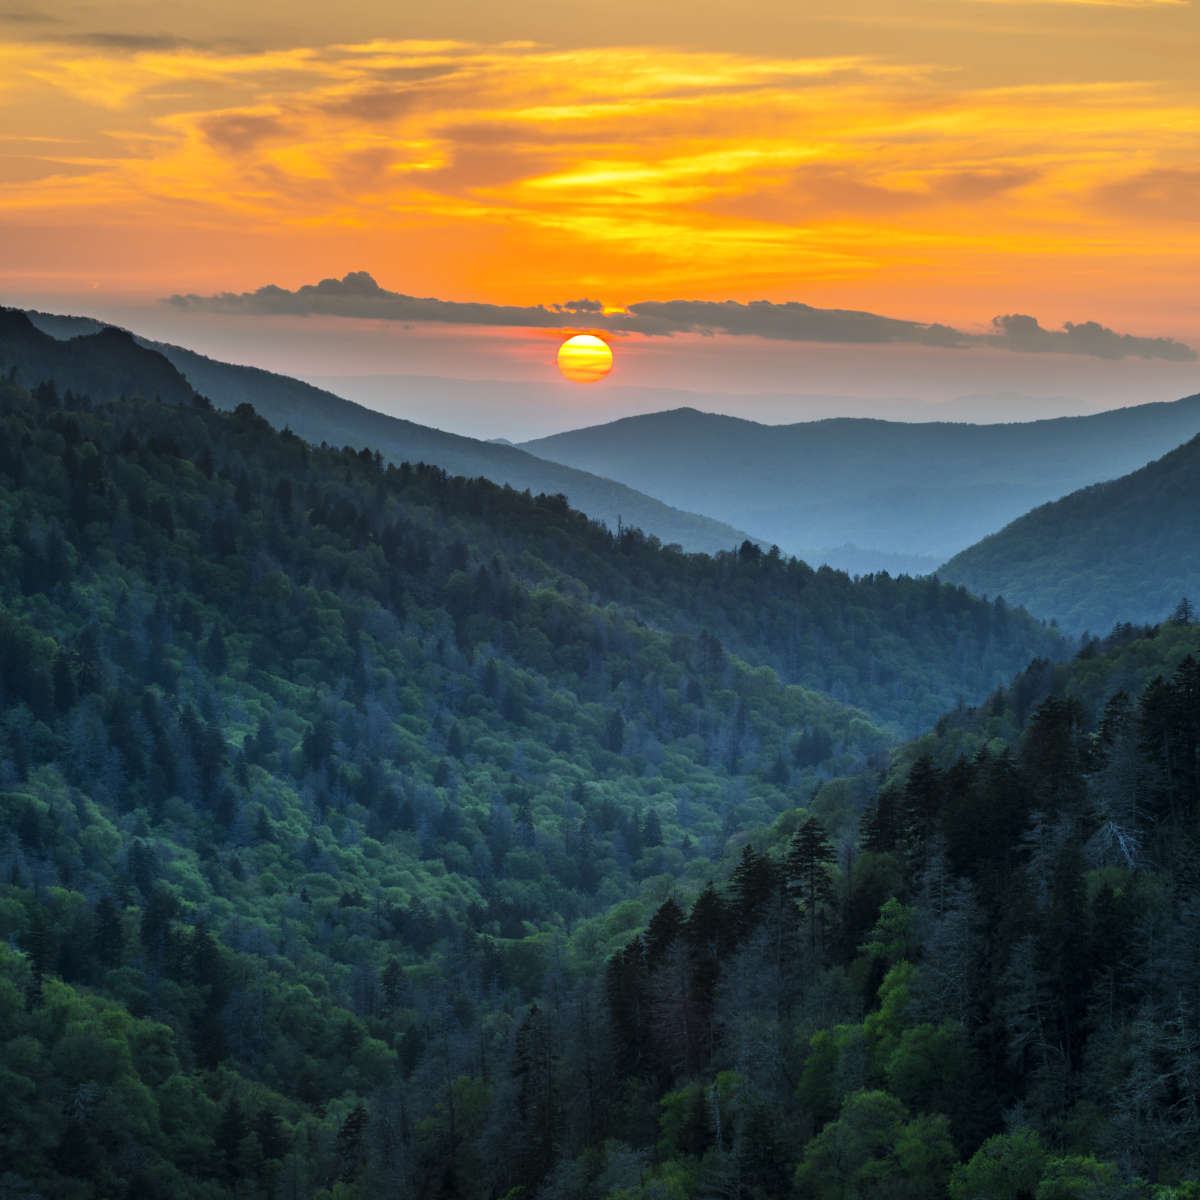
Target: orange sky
x=961, y=159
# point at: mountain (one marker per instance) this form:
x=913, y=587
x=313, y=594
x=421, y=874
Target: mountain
x=100, y=361
x=320, y=416
x=1127, y=550
x=901, y=650
x=850, y=491
x=314, y=769
x=368, y=831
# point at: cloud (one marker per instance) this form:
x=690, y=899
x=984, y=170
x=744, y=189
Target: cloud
x=374, y=104
x=1022, y=333
x=789, y=321
x=828, y=191
x=581, y=306
x=358, y=295
x=239, y=132
x=27, y=16
x=668, y=173
x=1166, y=193
x=135, y=43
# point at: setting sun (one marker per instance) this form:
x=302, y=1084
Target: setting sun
x=585, y=358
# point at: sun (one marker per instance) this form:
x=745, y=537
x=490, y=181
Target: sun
x=585, y=358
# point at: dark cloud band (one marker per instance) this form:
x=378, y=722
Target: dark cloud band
x=358, y=295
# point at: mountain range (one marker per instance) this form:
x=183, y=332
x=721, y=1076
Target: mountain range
x=320, y=416
x=867, y=494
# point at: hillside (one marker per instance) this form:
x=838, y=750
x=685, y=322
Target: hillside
x=902, y=650
x=287, y=736
x=858, y=493
x=985, y=988
x=101, y=361
x=313, y=769
x=320, y=416
x=1127, y=550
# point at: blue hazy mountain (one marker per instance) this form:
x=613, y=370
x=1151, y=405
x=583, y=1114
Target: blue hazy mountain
x=889, y=491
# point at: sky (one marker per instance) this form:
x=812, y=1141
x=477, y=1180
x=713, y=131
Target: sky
x=975, y=209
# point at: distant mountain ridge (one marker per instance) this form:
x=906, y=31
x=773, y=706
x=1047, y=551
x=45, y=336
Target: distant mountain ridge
x=320, y=416
x=100, y=359
x=888, y=488
x=1127, y=550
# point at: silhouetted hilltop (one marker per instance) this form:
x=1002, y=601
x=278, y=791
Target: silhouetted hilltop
x=104, y=361
x=320, y=416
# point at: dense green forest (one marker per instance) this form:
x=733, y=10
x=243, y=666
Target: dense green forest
x=318, y=772
x=901, y=649
x=1119, y=551
x=990, y=989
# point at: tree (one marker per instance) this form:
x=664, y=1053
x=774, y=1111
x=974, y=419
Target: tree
x=350, y=1148
x=809, y=858
x=227, y=1139
x=1007, y=1166
x=752, y=883
x=614, y=732
x=1184, y=614
x=873, y=1149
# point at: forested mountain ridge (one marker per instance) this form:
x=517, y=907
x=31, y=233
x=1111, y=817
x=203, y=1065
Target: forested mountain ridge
x=104, y=361
x=313, y=769
x=320, y=416
x=1126, y=550
x=919, y=489
x=302, y=777
x=904, y=650
x=988, y=990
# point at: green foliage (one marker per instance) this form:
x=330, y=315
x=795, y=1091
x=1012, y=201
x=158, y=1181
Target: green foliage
x=1111, y=553
x=366, y=831
x=1007, y=1166
x=873, y=1148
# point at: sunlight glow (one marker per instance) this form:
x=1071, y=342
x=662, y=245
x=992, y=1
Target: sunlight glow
x=585, y=358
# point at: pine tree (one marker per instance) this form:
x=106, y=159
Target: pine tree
x=810, y=854
x=751, y=884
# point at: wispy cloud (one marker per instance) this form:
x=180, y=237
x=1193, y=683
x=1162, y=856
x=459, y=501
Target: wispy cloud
x=526, y=170
x=358, y=295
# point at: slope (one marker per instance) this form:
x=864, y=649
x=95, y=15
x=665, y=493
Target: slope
x=987, y=989
x=320, y=416
x=102, y=361
x=885, y=487
x=1127, y=550
x=902, y=650
x=313, y=767
x=307, y=764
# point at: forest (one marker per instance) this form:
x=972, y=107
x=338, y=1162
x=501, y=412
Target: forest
x=367, y=830
x=1124, y=550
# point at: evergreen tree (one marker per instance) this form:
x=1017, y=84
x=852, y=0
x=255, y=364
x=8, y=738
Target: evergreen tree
x=807, y=867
